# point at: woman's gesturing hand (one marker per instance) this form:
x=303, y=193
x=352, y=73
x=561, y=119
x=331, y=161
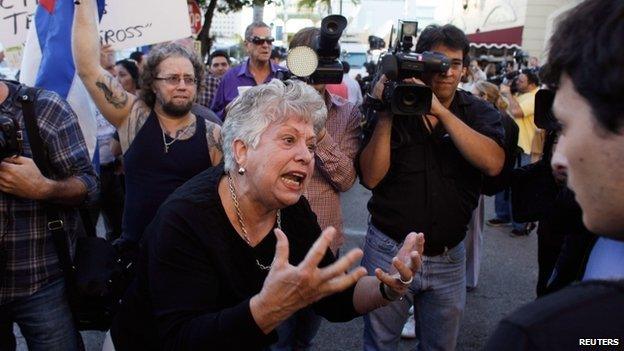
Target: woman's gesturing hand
x=404, y=265
x=289, y=288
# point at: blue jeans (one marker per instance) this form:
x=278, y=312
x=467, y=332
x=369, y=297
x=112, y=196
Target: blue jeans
x=297, y=332
x=44, y=319
x=502, y=200
x=438, y=294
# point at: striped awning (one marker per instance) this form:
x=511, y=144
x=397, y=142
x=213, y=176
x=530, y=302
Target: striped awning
x=500, y=38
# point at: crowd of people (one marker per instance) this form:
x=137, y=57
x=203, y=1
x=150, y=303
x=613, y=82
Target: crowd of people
x=221, y=186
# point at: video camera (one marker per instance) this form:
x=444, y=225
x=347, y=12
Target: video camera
x=507, y=76
x=10, y=139
x=504, y=77
x=320, y=64
x=401, y=63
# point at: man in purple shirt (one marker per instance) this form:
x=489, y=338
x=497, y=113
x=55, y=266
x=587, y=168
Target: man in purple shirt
x=257, y=69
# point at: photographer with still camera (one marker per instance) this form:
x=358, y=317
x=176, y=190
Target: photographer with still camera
x=424, y=166
x=32, y=286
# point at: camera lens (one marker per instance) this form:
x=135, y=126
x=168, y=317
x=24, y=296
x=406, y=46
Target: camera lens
x=409, y=99
x=332, y=27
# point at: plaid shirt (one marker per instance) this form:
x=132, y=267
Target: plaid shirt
x=32, y=260
x=334, y=168
x=208, y=90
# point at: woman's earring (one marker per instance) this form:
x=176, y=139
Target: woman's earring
x=241, y=170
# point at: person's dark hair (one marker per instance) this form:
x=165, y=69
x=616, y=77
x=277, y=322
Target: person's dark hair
x=447, y=35
x=157, y=55
x=532, y=77
x=137, y=56
x=346, y=67
x=591, y=53
x=218, y=53
x=304, y=37
x=467, y=59
x=277, y=52
x=133, y=69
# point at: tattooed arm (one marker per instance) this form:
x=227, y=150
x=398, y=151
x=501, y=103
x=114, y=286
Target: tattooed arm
x=109, y=96
x=213, y=136
x=130, y=126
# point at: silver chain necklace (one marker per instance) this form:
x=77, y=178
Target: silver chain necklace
x=239, y=216
x=167, y=144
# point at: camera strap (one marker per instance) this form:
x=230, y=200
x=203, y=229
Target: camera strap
x=27, y=96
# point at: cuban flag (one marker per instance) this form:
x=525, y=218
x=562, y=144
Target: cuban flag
x=48, y=63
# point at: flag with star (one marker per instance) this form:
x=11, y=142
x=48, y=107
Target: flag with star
x=48, y=62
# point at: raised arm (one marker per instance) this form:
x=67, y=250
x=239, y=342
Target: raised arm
x=109, y=96
x=514, y=106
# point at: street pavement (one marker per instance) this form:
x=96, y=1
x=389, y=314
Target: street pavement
x=507, y=281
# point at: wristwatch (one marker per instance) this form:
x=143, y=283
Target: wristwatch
x=384, y=293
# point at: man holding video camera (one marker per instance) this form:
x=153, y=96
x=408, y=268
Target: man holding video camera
x=425, y=174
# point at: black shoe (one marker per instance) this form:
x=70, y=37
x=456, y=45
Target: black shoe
x=497, y=222
x=519, y=232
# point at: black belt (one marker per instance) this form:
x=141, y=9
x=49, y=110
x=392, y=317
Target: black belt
x=439, y=250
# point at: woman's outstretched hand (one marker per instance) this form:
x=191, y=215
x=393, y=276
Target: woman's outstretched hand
x=404, y=265
x=289, y=288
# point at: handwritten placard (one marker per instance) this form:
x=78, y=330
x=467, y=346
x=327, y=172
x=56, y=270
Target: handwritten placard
x=125, y=23
x=134, y=23
x=15, y=20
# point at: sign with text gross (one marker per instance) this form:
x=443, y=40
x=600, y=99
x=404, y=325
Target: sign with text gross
x=125, y=24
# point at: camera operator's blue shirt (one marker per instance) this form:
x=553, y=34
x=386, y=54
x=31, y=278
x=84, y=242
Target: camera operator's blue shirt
x=235, y=77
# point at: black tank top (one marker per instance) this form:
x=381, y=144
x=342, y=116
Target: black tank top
x=152, y=175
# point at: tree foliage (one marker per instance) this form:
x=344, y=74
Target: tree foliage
x=224, y=6
x=227, y=6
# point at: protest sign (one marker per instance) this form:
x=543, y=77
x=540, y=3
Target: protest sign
x=125, y=24
x=15, y=20
x=135, y=23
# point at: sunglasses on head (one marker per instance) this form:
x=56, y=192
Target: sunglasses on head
x=261, y=40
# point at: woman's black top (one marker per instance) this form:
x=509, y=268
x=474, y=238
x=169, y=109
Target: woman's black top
x=196, y=276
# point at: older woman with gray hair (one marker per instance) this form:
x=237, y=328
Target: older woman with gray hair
x=237, y=250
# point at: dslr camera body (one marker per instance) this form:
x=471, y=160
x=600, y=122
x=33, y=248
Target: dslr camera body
x=10, y=138
x=320, y=64
x=400, y=63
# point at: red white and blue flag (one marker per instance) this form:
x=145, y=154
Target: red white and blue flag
x=48, y=62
